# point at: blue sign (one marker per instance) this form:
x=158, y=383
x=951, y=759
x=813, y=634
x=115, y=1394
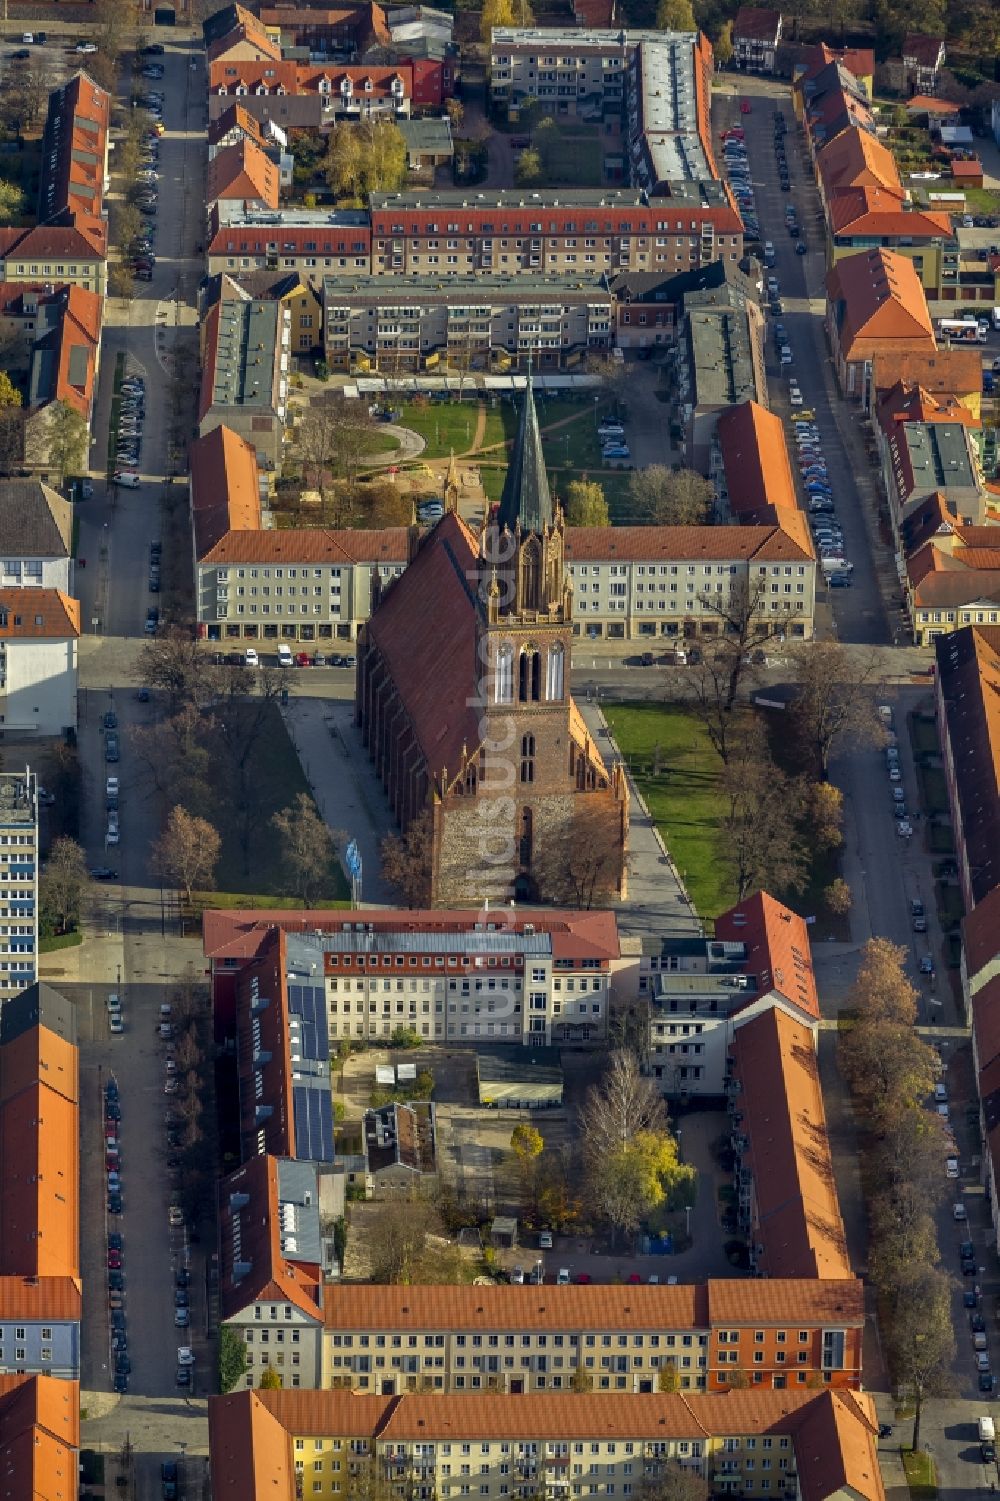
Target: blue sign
x=352, y=860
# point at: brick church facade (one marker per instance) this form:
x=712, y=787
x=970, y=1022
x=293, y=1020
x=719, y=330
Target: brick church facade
x=463, y=700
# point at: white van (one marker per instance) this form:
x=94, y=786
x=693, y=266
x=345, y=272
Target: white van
x=835, y=565
x=284, y=655
x=128, y=478
x=987, y=1431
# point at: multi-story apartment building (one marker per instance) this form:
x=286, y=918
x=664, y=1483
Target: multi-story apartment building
x=245, y=371
x=460, y=1339
x=638, y=582
x=468, y=321
x=253, y=583
x=700, y=989
x=520, y=977
x=809, y=1446
x=721, y=365
x=967, y=687
x=18, y=881
x=582, y=231
x=313, y=242
x=669, y=137
x=570, y=72
x=40, y=1289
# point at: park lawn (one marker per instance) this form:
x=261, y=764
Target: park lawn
x=380, y=442
x=239, y=900
x=278, y=779
x=982, y=200
x=684, y=800
x=446, y=426
x=57, y=941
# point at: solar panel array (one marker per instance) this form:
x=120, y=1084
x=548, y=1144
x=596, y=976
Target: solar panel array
x=308, y=1003
x=313, y=1123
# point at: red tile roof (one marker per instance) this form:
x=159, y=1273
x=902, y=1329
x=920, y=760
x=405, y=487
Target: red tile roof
x=289, y=77
x=423, y=631
x=236, y=117
x=875, y=211
x=755, y=23
x=251, y=1450
x=38, y=614
x=250, y=1233
x=928, y=104
x=225, y=488
x=777, y=543
x=954, y=371
x=755, y=456
x=981, y=934
x=242, y=171
x=778, y=949
x=797, y=1211
x=304, y=544
x=878, y=302
x=924, y=50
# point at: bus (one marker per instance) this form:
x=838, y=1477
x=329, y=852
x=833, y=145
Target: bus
x=962, y=330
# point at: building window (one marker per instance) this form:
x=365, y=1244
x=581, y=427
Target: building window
x=504, y=681
x=530, y=676
x=527, y=758
x=555, y=673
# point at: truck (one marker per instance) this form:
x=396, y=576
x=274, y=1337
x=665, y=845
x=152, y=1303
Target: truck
x=963, y=330
x=987, y=1440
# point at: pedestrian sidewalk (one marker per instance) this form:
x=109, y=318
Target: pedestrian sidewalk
x=657, y=902
x=347, y=791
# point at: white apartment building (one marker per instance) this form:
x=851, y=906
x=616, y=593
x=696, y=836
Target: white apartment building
x=672, y=582
x=39, y=635
x=18, y=881
x=570, y=71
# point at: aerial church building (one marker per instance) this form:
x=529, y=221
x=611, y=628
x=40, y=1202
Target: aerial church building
x=463, y=700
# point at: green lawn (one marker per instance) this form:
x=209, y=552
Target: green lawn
x=982, y=200
x=60, y=941
x=450, y=426
x=940, y=840
x=571, y=155
x=380, y=442
x=933, y=789
x=683, y=799
x=921, y=1476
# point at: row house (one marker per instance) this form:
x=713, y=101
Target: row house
x=751, y=468
x=54, y=253
x=302, y=585
x=926, y=447
x=466, y=322
x=64, y=364
x=874, y=304
x=702, y=989
x=39, y=637
x=351, y=92
x=802, y=1447
x=667, y=112
x=451, y=977
x=720, y=363
x=951, y=580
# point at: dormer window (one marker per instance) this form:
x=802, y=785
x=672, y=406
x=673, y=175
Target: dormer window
x=346, y=87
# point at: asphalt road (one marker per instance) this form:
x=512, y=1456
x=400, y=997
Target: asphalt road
x=858, y=611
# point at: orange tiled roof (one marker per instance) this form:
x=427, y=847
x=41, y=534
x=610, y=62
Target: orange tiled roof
x=929, y=104
x=877, y=211
x=225, y=488
x=242, y=171
x=778, y=948
x=251, y=1450
x=236, y=117
x=797, y=1209
x=39, y=614
x=877, y=301
x=857, y=159
x=755, y=456
x=42, y=1298
x=955, y=371
x=39, y=1438
x=273, y=1276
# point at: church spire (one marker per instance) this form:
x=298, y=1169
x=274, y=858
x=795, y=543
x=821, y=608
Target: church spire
x=526, y=499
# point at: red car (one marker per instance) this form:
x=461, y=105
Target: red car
x=303, y=659
x=634, y=1277
x=744, y=106
x=583, y=1278
x=114, y=1261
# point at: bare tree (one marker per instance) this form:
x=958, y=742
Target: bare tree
x=244, y=723
x=581, y=863
x=333, y=437
x=406, y=860
x=761, y=839
x=670, y=497
x=837, y=700
x=624, y=1103
x=175, y=663
x=187, y=851
x=306, y=846
x=671, y=1481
